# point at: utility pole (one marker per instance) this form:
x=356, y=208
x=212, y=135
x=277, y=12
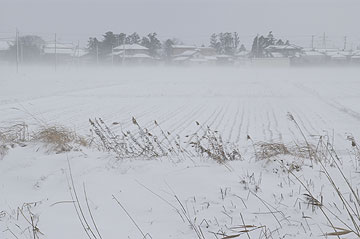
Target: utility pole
x=257, y=46
x=78, y=53
x=97, y=53
x=112, y=55
x=324, y=40
x=123, y=58
x=312, y=42
x=345, y=42
x=17, y=50
x=55, y=53
x=21, y=52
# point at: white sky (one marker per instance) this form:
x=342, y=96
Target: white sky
x=190, y=20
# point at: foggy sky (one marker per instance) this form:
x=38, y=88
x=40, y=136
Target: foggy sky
x=189, y=20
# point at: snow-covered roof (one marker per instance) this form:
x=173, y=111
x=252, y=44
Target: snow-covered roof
x=80, y=52
x=4, y=45
x=242, y=53
x=126, y=55
x=338, y=55
x=313, y=53
x=116, y=53
x=181, y=58
x=206, y=48
x=183, y=47
x=223, y=56
x=60, y=45
x=283, y=47
x=65, y=51
x=188, y=53
x=198, y=60
x=142, y=55
x=327, y=50
x=211, y=58
x=131, y=47
x=277, y=55
x=61, y=48
x=356, y=53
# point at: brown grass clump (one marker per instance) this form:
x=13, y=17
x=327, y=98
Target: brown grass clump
x=12, y=136
x=59, y=139
x=266, y=150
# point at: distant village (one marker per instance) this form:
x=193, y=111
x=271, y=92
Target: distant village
x=122, y=49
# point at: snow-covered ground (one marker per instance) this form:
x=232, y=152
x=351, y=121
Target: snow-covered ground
x=159, y=194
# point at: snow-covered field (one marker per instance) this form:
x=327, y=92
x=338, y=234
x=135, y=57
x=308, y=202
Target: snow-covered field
x=162, y=195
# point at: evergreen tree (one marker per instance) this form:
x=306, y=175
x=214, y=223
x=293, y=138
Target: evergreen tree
x=256, y=50
x=108, y=43
x=155, y=44
x=93, y=44
x=152, y=43
x=236, y=41
x=145, y=42
x=120, y=39
x=214, y=43
x=225, y=43
x=280, y=42
x=261, y=43
x=167, y=49
x=30, y=48
x=242, y=48
x=133, y=39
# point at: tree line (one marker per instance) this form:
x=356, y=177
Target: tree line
x=104, y=47
x=227, y=43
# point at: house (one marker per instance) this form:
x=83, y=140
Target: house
x=82, y=56
x=196, y=56
x=339, y=58
x=271, y=62
x=4, y=47
x=192, y=55
x=355, y=57
x=313, y=57
x=62, y=52
x=188, y=56
x=207, y=51
x=179, y=49
x=242, y=57
x=131, y=53
x=280, y=51
x=225, y=59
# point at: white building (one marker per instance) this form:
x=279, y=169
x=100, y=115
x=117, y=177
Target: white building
x=131, y=53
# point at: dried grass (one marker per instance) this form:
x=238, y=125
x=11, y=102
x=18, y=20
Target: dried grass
x=211, y=145
x=12, y=136
x=59, y=139
x=268, y=151
x=143, y=143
